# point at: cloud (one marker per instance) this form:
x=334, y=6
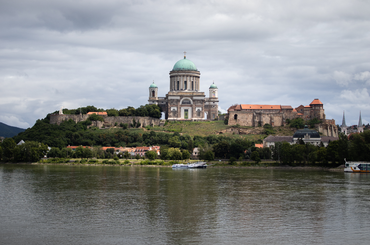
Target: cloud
x=107, y=53
x=359, y=96
x=363, y=76
x=342, y=78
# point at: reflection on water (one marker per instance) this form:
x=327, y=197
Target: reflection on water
x=133, y=205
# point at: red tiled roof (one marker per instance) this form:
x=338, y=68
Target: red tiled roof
x=258, y=107
x=99, y=113
x=108, y=147
x=258, y=145
x=74, y=147
x=316, y=102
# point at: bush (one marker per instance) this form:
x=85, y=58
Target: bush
x=232, y=161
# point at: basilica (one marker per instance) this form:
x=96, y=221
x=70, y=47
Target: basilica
x=184, y=101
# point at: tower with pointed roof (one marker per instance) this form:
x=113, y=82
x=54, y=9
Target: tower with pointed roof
x=317, y=109
x=360, y=127
x=185, y=101
x=343, y=127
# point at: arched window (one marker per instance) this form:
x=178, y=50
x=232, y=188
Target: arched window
x=198, y=113
x=186, y=102
x=236, y=116
x=153, y=93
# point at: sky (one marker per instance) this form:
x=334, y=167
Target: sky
x=71, y=54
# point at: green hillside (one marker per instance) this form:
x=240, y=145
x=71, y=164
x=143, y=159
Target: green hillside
x=9, y=131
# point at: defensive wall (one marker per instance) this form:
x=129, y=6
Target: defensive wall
x=108, y=121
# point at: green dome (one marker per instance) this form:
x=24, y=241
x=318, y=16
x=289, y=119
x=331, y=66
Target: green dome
x=184, y=65
x=213, y=86
x=153, y=85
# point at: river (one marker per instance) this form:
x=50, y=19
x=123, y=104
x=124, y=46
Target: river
x=56, y=204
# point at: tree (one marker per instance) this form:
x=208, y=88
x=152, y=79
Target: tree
x=151, y=155
x=112, y=112
x=286, y=153
x=87, y=153
x=296, y=123
x=126, y=155
x=174, y=154
x=222, y=149
x=66, y=152
x=30, y=151
x=174, y=142
x=185, y=154
x=8, y=146
x=54, y=152
x=164, y=152
x=79, y=152
x=236, y=150
x=94, y=117
x=190, y=146
x=255, y=157
x=209, y=155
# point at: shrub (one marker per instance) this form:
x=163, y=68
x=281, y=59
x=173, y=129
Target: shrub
x=232, y=160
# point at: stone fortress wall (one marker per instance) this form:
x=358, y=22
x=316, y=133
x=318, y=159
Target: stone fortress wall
x=276, y=115
x=108, y=121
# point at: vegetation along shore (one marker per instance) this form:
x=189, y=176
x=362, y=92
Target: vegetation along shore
x=81, y=142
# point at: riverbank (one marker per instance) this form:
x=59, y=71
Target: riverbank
x=168, y=164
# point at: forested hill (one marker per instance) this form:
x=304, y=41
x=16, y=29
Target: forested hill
x=9, y=131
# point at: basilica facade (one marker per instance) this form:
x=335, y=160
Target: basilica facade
x=185, y=101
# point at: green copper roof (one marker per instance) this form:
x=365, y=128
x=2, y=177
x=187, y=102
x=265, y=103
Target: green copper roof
x=184, y=65
x=153, y=85
x=213, y=86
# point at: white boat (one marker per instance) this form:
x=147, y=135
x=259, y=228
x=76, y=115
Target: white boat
x=356, y=167
x=197, y=165
x=180, y=165
x=190, y=165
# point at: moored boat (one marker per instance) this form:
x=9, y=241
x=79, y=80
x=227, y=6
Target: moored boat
x=197, y=165
x=180, y=165
x=357, y=167
x=190, y=165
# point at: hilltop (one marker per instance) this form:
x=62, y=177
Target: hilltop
x=9, y=131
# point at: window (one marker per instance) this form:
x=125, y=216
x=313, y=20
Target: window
x=236, y=116
x=186, y=102
x=192, y=85
x=153, y=93
x=185, y=85
x=178, y=85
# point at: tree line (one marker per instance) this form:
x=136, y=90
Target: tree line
x=142, y=111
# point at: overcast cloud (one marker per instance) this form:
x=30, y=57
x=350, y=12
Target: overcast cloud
x=107, y=53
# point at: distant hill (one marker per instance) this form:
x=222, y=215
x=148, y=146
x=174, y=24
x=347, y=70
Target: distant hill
x=9, y=131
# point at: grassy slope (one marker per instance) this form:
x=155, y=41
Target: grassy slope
x=207, y=128
x=214, y=127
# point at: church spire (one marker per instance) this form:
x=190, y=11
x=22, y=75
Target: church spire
x=360, y=121
x=344, y=121
x=360, y=128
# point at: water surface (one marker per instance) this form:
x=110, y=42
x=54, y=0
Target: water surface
x=46, y=204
